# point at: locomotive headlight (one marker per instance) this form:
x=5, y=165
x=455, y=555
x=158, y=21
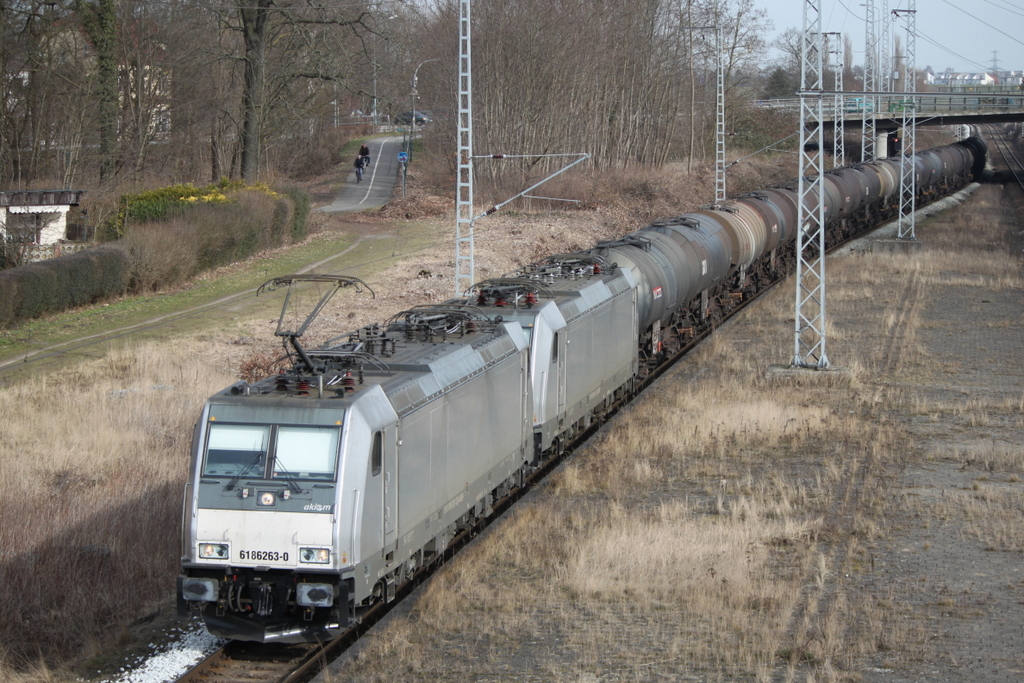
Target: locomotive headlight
x=267, y=498
x=213, y=551
x=314, y=555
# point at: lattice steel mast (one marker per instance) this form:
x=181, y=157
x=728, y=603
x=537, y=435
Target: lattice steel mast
x=867, y=108
x=719, y=118
x=719, y=109
x=885, y=65
x=906, y=230
x=464, y=267
x=809, y=337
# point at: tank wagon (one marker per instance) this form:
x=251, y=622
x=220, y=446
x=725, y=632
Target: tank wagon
x=317, y=493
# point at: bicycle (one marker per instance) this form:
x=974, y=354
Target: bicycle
x=359, y=174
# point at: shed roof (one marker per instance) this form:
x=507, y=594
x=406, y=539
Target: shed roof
x=40, y=197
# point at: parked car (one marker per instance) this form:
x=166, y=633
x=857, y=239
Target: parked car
x=417, y=117
x=857, y=105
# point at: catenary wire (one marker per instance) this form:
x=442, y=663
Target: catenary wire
x=982, y=21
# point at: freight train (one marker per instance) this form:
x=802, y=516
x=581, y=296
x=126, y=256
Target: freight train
x=317, y=493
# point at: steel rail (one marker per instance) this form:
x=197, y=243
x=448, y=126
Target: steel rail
x=1004, y=148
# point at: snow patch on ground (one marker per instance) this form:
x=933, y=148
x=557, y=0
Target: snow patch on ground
x=169, y=660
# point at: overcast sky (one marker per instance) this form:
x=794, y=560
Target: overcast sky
x=960, y=34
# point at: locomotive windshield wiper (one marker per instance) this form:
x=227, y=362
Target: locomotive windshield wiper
x=288, y=477
x=245, y=470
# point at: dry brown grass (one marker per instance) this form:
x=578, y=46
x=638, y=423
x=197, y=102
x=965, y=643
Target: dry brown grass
x=699, y=534
x=98, y=454
x=94, y=459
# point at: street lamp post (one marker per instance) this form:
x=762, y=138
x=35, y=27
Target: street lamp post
x=412, y=121
x=373, y=58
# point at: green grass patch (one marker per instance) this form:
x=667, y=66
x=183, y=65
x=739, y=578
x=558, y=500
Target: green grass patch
x=135, y=310
x=140, y=314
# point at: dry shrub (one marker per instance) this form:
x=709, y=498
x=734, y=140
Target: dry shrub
x=993, y=516
x=992, y=456
x=416, y=204
x=303, y=158
x=639, y=193
x=166, y=253
x=702, y=562
x=259, y=365
x=162, y=254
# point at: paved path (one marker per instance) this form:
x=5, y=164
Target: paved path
x=378, y=180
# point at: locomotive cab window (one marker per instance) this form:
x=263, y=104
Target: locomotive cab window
x=270, y=451
x=377, y=454
x=306, y=452
x=237, y=450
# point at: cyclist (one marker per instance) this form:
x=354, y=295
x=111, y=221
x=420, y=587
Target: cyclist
x=364, y=152
x=358, y=164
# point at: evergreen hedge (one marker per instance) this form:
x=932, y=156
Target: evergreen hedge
x=61, y=283
x=300, y=213
x=166, y=243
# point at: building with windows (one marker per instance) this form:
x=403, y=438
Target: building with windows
x=961, y=79
x=36, y=221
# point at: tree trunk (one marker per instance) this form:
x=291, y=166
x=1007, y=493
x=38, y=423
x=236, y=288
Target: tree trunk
x=254, y=17
x=106, y=63
x=101, y=27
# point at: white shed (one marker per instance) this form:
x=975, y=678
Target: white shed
x=36, y=217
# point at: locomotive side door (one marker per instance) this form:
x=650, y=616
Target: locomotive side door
x=558, y=357
x=390, y=465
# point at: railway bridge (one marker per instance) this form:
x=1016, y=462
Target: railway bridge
x=933, y=109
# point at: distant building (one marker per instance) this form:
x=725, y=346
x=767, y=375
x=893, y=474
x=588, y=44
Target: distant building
x=964, y=79
x=960, y=79
x=1012, y=78
x=37, y=220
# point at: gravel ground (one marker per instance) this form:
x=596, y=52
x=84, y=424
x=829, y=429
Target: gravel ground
x=963, y=586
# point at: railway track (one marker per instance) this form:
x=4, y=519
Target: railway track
x=1013, y=162
x=239, y=662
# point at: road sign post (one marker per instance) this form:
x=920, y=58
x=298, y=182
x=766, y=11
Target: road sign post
x=403, y=158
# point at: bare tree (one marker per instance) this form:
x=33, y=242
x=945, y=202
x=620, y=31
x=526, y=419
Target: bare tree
x=38, y=82
x=301, y=41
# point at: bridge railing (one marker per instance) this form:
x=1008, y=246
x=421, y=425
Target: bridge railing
x=924, y=103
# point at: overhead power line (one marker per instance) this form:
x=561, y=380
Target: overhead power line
x=946, y=49
x=982, y=21
x=1005, y=9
